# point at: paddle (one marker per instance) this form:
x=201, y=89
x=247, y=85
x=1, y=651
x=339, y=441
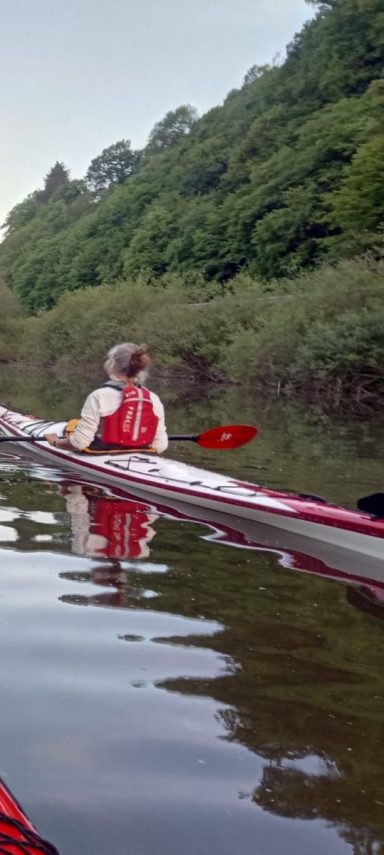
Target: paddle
x=222, y=438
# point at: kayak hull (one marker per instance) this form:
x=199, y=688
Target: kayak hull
x=173, y=481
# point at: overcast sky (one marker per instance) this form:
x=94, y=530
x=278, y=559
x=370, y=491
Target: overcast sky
x=78, y=75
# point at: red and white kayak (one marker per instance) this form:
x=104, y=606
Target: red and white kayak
x=178, y=482
x=17, y=834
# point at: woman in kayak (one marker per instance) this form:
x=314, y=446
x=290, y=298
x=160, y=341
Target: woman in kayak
x=121, y=413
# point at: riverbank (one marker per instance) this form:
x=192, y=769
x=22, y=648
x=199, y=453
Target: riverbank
x=318, y=336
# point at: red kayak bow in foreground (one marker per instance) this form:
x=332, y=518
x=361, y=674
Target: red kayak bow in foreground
x=17, y=834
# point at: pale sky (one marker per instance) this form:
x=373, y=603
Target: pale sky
x=78, y=75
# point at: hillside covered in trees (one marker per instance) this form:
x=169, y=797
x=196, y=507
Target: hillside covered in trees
x=259, y=225
x=288, y=173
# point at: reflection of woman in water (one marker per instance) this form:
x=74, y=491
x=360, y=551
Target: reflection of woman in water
x=110, y=576
x=106, y=527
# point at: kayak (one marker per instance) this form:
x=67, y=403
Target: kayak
x=174, y=481
x=17, y=834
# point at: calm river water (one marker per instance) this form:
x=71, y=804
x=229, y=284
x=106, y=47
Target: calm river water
x=197, y=695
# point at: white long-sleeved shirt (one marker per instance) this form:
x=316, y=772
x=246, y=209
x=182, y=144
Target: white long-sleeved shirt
x=105, y=401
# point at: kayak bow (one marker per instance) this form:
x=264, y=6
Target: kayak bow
x=17, y=834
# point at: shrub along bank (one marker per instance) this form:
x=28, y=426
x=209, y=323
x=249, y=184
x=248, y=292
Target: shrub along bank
x=321, y=334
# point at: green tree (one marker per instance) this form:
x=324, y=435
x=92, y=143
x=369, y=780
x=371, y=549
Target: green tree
x=172, y=128
x=56, y=178
x=324, y=4
x=112, y=166
x=285, y=172
x=148, y=250
x=20, y=215
x=359, y=203
x=254, y=73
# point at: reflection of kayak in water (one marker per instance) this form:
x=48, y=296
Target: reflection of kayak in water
x=170, y=480
x=17, y=834
x=116, y=525
x=367, y=598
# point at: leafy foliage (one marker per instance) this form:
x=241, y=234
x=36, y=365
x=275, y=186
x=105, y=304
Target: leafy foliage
x=321, y=333
x=112, y=166
x=284, y=176
x=56, y=178
x=176, y=124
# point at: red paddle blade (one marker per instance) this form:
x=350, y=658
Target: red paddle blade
x=227, y=436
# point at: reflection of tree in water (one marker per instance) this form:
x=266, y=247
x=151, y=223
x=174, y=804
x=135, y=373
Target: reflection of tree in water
x=346, y=787
x=27, y=499
x=304, y=684
x=304, y=689
x=292, y=793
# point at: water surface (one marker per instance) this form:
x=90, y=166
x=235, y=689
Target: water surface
x=194, y=695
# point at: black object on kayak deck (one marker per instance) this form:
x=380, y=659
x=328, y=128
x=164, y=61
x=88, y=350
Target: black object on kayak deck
x=373, y=505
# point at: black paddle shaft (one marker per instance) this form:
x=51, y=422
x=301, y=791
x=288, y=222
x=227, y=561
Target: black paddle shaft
x=22, y=439
x=185, y=438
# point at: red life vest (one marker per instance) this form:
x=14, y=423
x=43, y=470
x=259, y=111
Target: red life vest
x=134, y=423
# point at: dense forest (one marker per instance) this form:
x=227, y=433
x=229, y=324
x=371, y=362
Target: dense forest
x=247, y=219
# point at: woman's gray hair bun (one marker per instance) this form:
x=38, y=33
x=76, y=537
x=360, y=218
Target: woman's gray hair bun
x=127, y=358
